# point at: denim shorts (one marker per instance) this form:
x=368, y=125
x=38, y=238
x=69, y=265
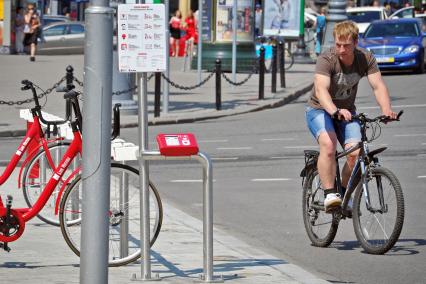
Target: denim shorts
x=318, y=120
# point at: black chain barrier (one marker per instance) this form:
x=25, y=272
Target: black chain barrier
x=191, y=87
x=254, y=71
x=45, y=93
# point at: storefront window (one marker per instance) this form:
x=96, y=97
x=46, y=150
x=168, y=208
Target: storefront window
x=245, y=20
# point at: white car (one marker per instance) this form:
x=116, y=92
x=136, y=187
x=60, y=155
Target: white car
x=363, y=16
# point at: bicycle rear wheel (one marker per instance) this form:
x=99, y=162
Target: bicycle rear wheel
x=378, y=228
x=124, y=215
x=320, y=226
x=37, y=174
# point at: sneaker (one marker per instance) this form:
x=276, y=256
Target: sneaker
x=332, y=202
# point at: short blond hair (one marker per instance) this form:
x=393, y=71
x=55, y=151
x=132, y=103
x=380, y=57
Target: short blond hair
x=346, y=29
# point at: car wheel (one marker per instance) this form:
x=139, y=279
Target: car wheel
x=421, y=68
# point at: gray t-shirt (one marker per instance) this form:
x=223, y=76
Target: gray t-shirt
x=343, y=79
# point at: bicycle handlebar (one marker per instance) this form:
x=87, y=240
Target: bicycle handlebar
x=362, y=117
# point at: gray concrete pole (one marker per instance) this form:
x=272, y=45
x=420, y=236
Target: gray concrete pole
x=167, y=73
x=234, y=42
x=200, y=39
x=96, y=143
x=336, y=13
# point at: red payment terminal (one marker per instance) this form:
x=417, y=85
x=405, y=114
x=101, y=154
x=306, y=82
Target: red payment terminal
x=183, y=144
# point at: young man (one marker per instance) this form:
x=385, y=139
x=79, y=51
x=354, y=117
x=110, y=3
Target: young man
x=337, y=74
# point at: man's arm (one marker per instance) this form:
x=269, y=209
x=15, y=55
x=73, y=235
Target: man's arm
x=381, y=93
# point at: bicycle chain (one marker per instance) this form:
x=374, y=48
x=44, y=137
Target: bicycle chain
x=45, y=93
x=188, y=88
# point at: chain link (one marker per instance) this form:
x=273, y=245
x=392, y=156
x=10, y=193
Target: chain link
x=78, y=82
x=241, y=82
x=191, y=87
x=45, y=93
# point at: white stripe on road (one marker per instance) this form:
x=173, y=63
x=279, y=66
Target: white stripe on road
x=213, y=141
x=282, y=157
x=410, y=135
x=421, y=177
x=278, y=139
x=393, y=106
x=301, y=147
x=224, y=158
x=271, y=179
x=423, y=143
x=234, y=148
x=421, y=155
x=187, y=180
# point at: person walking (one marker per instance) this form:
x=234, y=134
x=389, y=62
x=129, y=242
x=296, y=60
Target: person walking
x=19, y=30
x=190, y=35
x=175, y=29
x=31, y=30
x=320, y=24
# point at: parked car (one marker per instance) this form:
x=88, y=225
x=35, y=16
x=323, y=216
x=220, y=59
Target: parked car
x=50, y=19
x=62, y=38
x=363, y=16
x=396, y=44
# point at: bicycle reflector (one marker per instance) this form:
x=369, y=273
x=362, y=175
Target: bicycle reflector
x=183, y=144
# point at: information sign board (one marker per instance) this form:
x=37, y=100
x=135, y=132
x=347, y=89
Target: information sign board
x=141, y=38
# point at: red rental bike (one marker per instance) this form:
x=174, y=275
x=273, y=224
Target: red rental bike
x=12, y=221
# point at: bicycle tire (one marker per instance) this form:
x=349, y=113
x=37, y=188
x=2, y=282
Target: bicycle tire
x=321, y=227
x=289, y=59
x=70, y=216
x=364, y=219
x=34, y=181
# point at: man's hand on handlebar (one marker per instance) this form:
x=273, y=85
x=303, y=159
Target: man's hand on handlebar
x=391, y=114
x=343, y=114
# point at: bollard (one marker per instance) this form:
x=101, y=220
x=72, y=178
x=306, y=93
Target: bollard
x=218, y=84
x=274, y=69
x=69, y=77
x=262, y=74
x=157, y=94
x=282, y=63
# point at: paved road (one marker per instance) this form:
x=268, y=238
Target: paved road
x=257, y=159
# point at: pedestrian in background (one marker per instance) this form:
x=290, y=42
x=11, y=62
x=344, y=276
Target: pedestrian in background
x=19, y=30
x=175, y=29
x=258, y=20
x=320, y=24
x=190, y=26
x=31, y=30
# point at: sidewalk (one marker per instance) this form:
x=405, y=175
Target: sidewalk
x=184, y=106
x=41, y=255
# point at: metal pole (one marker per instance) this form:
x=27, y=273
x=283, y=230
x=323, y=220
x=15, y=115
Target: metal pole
x=200, y=39
x=69, y=80
x=124, y=207
x=143, y=179
x=157, y=93
x=234, y=41
x=274, y=69
x=167, y=72
x=262, y=73
x=336, y=13
x=96, y=143
x=282, y=62
x=218, y=84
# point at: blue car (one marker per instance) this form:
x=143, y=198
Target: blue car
x=396, y=44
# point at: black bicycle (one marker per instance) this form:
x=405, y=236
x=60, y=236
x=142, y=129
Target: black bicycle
x=377, y=204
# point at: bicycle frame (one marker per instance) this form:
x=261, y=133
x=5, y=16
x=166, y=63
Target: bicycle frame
x=35, y=132
x=74, y=149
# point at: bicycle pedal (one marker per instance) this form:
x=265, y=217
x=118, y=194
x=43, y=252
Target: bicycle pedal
x=5, y=247
x=333, y=209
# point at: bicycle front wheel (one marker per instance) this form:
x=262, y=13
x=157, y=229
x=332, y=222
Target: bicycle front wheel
x=320, y=226
x=378, y=226
x=123, y=214
x=37, y=174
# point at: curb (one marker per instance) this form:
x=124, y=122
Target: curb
x=274, y=103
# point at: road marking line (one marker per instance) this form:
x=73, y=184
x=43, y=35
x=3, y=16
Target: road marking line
x=213, y=141
x=298, y=147
x=421, y=177
x=234, y=148
x=224, y=158
x=278, y=139
x=393, y=106
x=423, y=143
x=282, y=157
x=421, y=155
x=271, y=179
x=187, y=180
x=410, y=135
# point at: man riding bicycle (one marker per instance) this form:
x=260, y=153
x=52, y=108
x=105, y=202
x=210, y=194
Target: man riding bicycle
x=337, y=74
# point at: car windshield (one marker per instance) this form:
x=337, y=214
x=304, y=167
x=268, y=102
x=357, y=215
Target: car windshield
x=392, y=29
x=364, y=16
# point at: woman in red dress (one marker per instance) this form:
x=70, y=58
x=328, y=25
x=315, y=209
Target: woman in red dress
x=191, y=32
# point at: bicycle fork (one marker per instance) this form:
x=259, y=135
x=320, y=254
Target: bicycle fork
x=365, y=176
